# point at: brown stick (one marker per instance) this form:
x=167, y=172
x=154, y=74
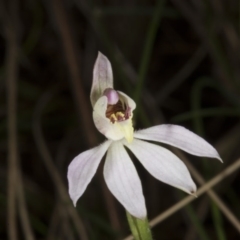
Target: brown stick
x=214, y=181
x=83, y=106
x=53, y=172
x=222, y=206
x=15, y=185
x=11, y=80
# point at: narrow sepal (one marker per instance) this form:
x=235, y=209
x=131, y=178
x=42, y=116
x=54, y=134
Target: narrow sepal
x=123, y=181
x=82, y=169
x=102, y=77
x=179, y=137
x=163, y=165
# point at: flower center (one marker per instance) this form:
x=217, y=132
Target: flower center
x=118, y=112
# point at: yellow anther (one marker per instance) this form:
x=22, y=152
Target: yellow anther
x=119, y=114
x=113, y=117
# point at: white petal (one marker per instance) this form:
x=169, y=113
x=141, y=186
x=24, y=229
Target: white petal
x=114, y=131
x=163, y=165
x=102, y=77
x=179, y=137
x=127, y=100
x=102, y=123
x=101, y=106
x=123, y=181
x=82, y=169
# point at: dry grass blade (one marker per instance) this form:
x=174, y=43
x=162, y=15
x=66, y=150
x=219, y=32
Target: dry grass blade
x=11, y=78
x=83, y=107
x=53, y=225
x=53, y=172
x=182, y=75
x=217, y=179
x=226, y=211
x=15, y=185
x=23, y=209
x=201, y=211
x=60, y=220
x=232, y=168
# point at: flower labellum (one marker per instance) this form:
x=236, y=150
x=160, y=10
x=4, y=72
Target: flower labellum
x=112, y=115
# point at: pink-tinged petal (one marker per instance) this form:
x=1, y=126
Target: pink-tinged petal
x=179, y=137
x=123, y=181
x=82, y=169
x=102, y=123
x=130, y=103
x=102, y=77
x=163, y=165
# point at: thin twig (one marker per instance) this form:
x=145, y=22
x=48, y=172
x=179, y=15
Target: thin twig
x=60, y=220
x=182, y=75
x=23, y=209
x=11, y=84
x=226, y=172
x=83, y=106
x=214, y=181
x=11, y=79
x=146, y=56
x=15, y=185
x=54, y=220
x=202, y=211
x=211, y=40
x=222, y=206
x=53, y=172
x=65, y=224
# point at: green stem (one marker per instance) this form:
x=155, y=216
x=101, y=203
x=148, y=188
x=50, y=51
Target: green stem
x=196, y=96
x=197, y=223
x=218, y=221
x=140, y=228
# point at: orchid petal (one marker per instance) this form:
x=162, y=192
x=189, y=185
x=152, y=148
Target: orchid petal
x=163, y=165
x=82, y=169
x=102, y=77
x=127, y=100
x=179, y=137
x=101, y=106
x=123, y=181
x=102, y=123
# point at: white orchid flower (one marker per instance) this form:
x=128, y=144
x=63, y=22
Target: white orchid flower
x=112, y=115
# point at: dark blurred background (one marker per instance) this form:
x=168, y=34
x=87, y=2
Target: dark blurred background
x=180, y=62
